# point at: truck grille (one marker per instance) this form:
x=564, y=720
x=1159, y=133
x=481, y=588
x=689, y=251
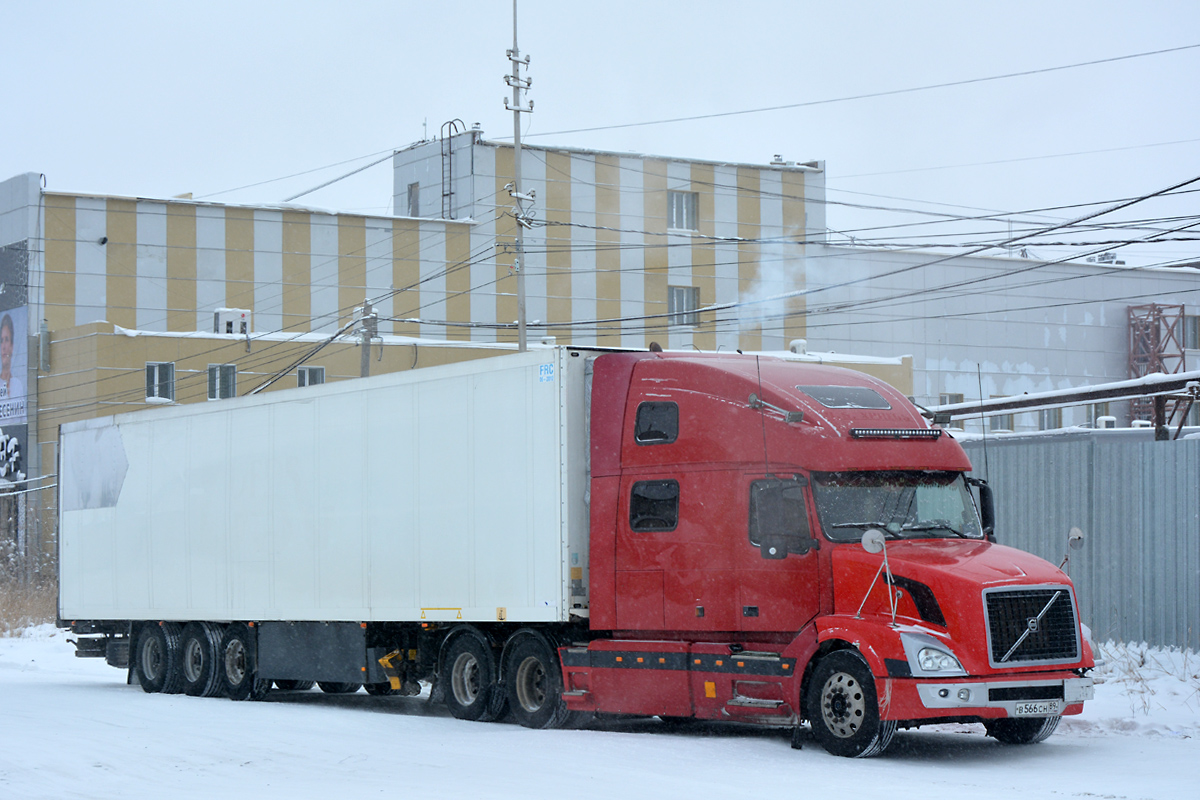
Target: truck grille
x=1044, y=616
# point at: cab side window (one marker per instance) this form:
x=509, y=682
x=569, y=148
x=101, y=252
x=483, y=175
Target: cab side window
x=657, y=423
x=779, y=518
x=654, y=506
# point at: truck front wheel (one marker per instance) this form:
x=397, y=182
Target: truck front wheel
x=157, y=660
x=843, y=710
x=1029, y=730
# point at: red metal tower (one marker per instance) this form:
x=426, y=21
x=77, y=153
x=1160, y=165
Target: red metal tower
x=1155, y=345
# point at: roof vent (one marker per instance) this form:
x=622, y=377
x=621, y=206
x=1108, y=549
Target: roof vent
x=798, y=346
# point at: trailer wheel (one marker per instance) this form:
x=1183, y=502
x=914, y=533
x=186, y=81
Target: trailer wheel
x=239, y=672
x=843, y=710
x=535, y=684
x=157, y=658
x=335, y=687
x=1029, y=730
x=198, y=659
x=294, y=686
x=470, y=679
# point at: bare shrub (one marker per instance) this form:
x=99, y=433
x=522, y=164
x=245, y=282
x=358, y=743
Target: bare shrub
x=25, y=604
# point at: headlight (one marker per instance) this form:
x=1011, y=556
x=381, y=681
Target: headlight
x=931, y=660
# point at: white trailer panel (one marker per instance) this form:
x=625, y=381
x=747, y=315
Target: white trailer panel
x=453, y=492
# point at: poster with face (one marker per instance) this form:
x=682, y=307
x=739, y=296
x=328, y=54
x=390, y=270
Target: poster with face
x=14, y=354
x=14, y=361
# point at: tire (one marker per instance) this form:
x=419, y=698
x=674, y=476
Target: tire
x=1025, y=730
x=156, y=658
x=334, y=687
x=469, y=678
x=380, y=689
x=843, y=710
x=294, y=686
x=198, y=649
x=534, y=681
x=237, y=665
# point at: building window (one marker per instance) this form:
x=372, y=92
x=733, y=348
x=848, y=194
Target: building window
x=1191, y=333
x=1095, y=412
x=414, y=199
x=951, y=398
x=681, y=210
x=683, y=303
x=160, y=381
x=310, y=376
x=654, y=506
x=222, y=381
x=1049, y=419
x=1000, y=423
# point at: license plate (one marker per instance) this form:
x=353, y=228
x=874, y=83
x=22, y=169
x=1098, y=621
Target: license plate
x=1040, y=708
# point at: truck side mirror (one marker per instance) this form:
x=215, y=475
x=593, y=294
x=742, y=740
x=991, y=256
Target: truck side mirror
x=987, y=511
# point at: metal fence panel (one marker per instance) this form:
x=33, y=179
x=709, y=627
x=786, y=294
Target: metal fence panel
x=1138, y=574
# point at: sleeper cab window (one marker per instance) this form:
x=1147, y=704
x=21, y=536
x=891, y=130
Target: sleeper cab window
x=654, y=506
x=657, y=423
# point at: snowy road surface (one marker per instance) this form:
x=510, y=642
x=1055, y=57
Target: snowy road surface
x=71, y=728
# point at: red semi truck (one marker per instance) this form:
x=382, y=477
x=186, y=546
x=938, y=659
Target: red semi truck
x=568, y=532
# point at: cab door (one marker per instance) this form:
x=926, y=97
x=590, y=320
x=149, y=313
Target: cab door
x=778, y=578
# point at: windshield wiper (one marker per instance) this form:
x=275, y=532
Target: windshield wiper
x=883, y=526
x=934, y=525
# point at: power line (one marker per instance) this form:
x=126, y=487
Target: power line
x=870, y=95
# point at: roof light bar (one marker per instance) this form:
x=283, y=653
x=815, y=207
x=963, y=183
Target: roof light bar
x=895, y=433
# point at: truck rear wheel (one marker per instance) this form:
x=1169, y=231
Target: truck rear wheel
x=470, y=679
x=535, y=685
x=843, y=710
x=198, y=658
x=238, y=667
x=1027, y=730
x=156, y=660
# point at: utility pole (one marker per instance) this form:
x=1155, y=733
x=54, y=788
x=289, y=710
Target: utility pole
x=518, y=85
x=369, y=331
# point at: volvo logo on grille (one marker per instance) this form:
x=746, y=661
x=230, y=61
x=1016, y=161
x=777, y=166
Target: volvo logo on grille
x=1032, y=624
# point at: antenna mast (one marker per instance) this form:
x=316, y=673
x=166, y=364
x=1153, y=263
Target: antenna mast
x=523, y=219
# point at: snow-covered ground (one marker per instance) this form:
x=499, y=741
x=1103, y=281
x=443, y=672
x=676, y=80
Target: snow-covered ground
x=71, y=728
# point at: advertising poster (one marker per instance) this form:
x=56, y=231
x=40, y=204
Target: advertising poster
x=14, y=362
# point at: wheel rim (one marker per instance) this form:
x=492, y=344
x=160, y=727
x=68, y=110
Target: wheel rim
x=235, y=662
x=464, y=679
x=193, y=660
x=843, y=705
x=152, y=657
x=531, y=684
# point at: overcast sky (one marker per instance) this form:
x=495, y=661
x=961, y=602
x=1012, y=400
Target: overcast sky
x=158, y=99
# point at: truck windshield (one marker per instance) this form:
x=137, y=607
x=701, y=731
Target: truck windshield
x=904, y=505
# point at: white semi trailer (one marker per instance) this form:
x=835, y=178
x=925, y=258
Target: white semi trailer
x=450, y=494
